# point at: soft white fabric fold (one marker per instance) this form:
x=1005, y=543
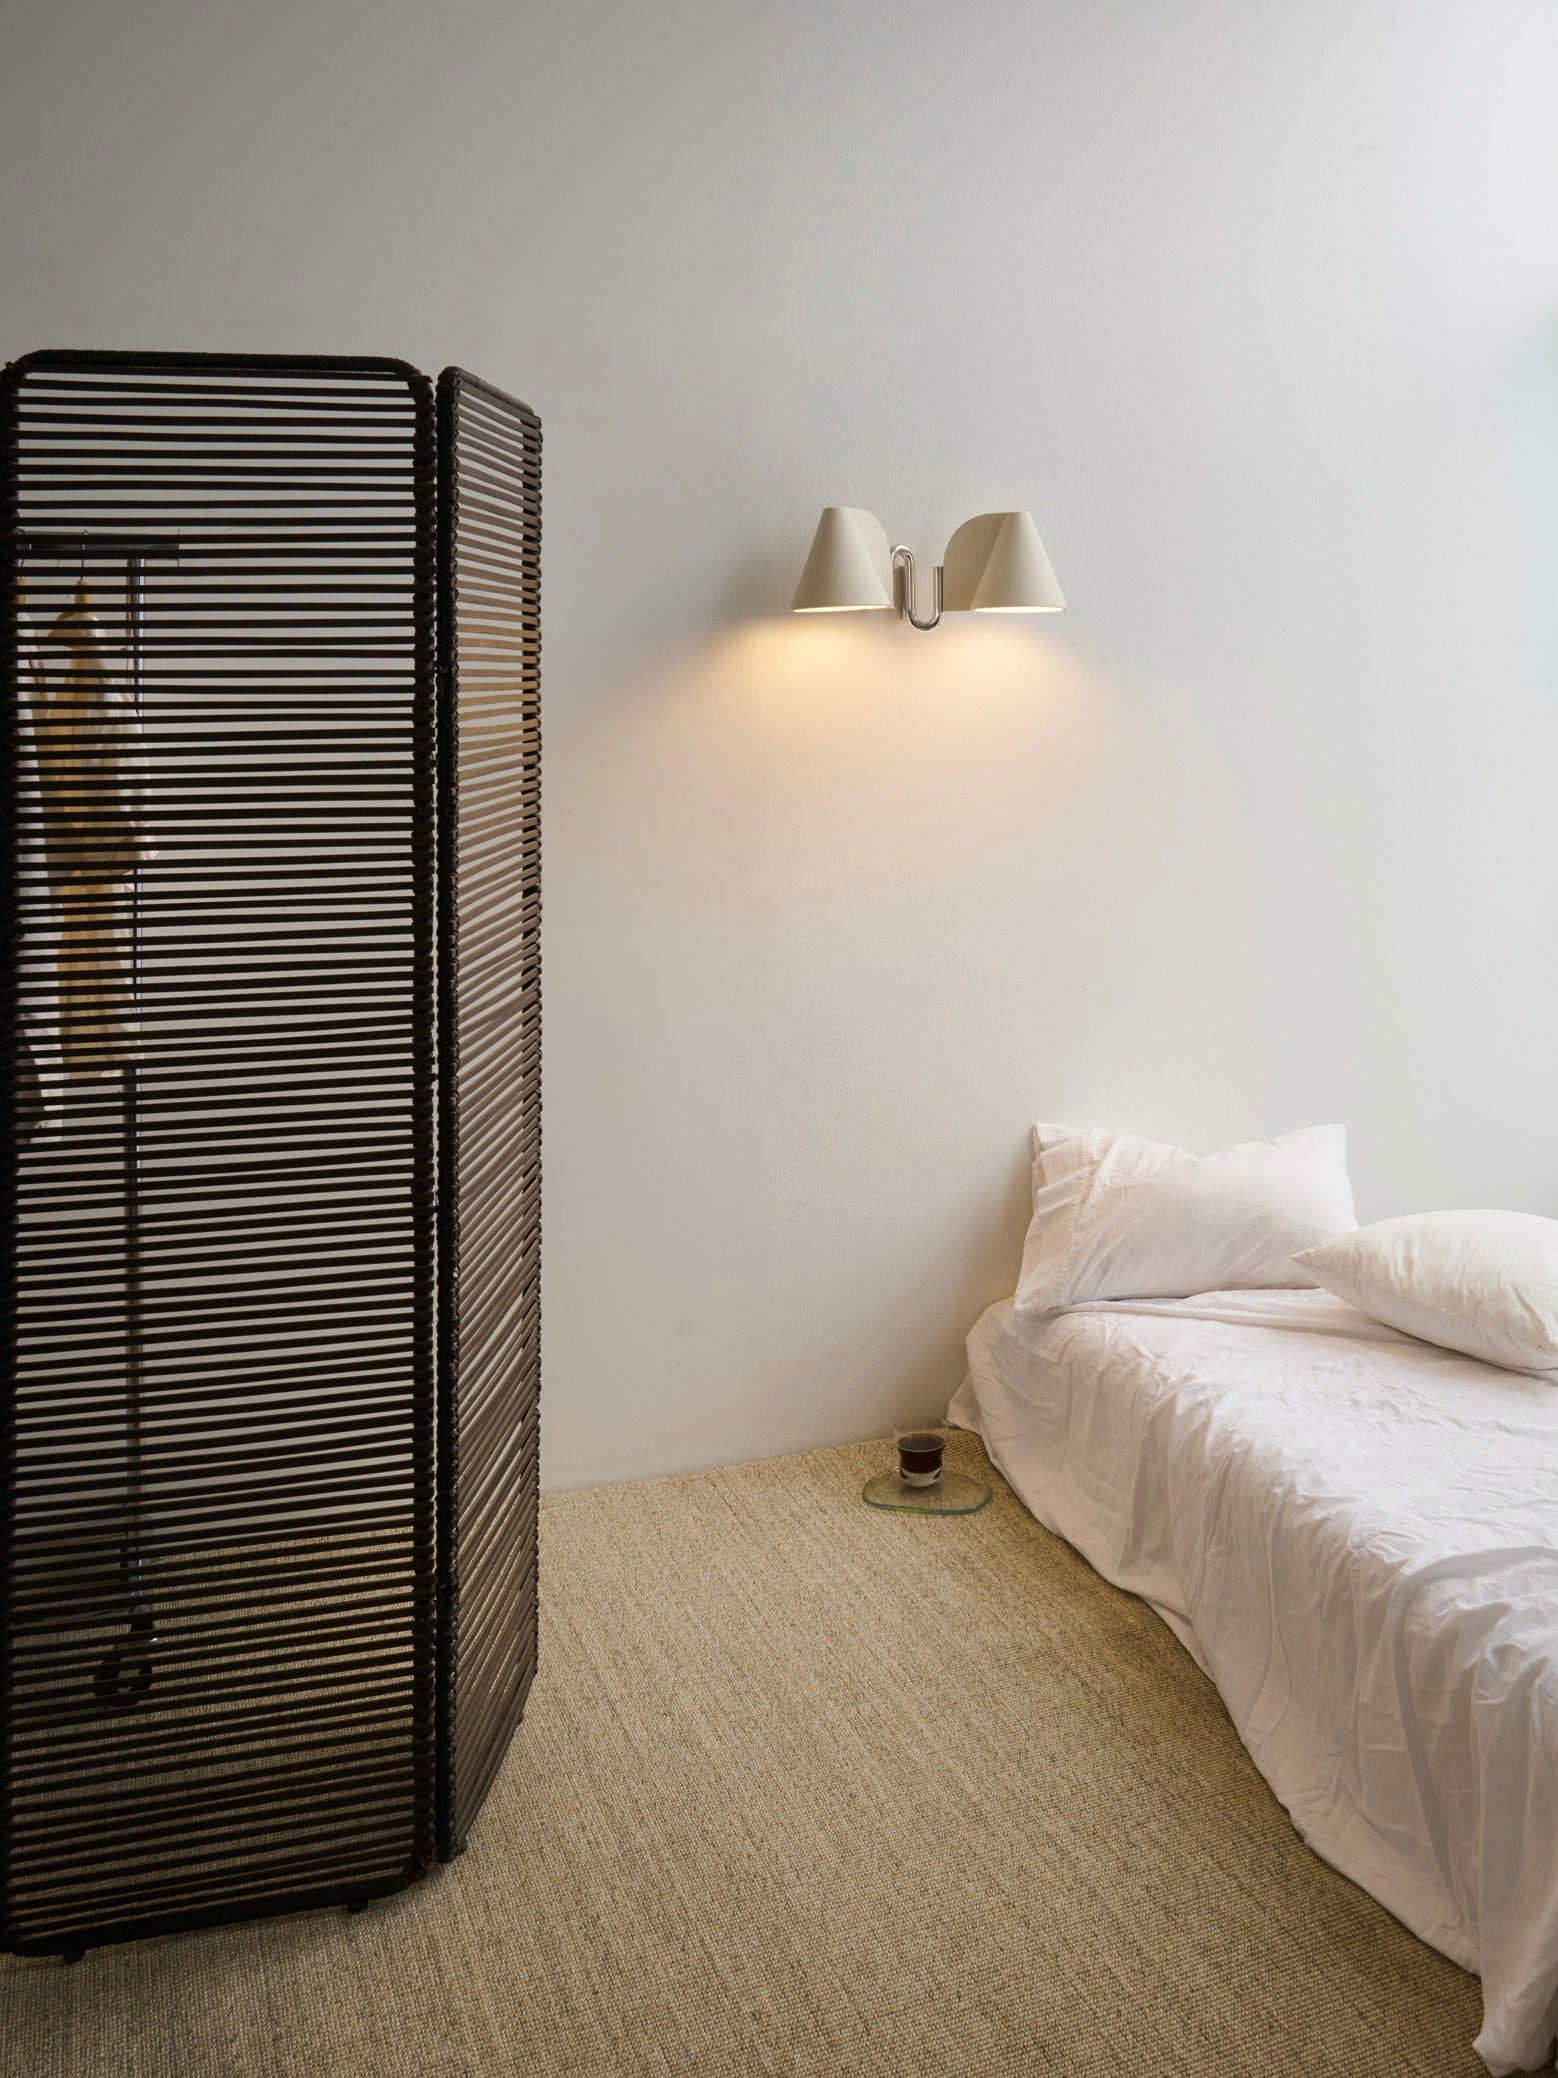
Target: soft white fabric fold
x=1117, y=1217
x=1483, y=1283
x=1356, y=1535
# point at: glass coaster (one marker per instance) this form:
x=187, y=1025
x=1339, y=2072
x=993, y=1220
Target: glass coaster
x=953, y=1494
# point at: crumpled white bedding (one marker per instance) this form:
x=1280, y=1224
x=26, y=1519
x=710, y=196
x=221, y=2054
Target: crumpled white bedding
x=1356, y=1535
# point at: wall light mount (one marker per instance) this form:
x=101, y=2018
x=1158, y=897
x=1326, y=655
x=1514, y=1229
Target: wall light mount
x=994, y=563
x=903, y=590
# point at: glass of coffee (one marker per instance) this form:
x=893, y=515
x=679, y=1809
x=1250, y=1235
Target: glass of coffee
x=921, y=1445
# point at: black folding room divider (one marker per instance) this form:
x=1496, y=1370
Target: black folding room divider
x=489, y=827
x=269, y=1187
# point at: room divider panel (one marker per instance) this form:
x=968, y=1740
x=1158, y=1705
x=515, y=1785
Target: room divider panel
x=238, y=1589
x=489, y=519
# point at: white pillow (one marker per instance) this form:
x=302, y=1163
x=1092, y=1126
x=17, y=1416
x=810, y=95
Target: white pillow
x=1119, y=1218
x=1485, y=1283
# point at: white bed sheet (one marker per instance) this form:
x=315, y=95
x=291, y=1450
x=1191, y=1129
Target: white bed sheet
x=1356, y=1534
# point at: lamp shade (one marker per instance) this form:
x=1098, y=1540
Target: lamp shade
x=849, y=569
x=996, y=564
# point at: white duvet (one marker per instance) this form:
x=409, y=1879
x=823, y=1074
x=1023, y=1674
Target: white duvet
x=1356, y=1534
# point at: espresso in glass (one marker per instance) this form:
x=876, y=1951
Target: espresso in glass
x=921, y=1445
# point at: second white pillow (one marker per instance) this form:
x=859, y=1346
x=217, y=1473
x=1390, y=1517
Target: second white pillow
x=1483, y=1283
x=1115, y=1217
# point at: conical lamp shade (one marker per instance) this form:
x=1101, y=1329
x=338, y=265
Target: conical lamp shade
x=996, y=564
x=849, y=569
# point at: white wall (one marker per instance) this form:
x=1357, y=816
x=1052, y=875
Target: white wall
x=1256, y=306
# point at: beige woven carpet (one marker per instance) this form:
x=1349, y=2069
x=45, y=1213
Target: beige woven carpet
x=806, y=1788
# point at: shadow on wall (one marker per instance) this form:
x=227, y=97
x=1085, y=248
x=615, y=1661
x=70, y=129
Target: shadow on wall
x=758, y=580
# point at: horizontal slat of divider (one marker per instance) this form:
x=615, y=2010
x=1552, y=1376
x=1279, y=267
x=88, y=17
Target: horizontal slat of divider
x=218, y=1236
x=490, y=1086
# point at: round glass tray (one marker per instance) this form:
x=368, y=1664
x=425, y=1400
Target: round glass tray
x=953, y=1494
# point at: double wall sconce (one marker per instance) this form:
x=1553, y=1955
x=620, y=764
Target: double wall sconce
x=994, y=564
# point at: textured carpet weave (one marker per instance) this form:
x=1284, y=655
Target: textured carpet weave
x=807, y=1788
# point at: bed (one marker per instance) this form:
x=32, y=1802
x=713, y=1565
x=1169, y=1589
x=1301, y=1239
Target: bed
x=1356, y=1535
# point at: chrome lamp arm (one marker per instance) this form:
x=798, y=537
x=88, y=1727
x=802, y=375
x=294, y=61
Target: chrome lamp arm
x=903, y=590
